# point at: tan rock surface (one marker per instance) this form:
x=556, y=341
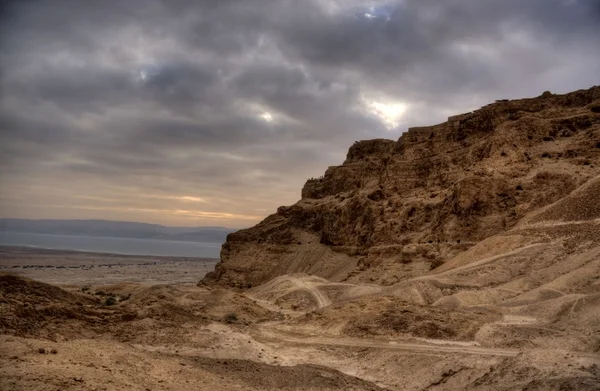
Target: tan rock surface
x=395, y=210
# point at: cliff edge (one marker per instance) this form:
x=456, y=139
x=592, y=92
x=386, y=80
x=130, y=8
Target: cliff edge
x=398, y=209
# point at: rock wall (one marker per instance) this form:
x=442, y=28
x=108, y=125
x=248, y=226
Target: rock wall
x=397, y=209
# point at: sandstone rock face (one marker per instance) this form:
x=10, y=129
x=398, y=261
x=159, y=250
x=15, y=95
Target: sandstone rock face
x=397, y=209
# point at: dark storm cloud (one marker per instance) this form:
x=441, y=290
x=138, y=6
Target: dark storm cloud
x=215, y=112
x=431, y=40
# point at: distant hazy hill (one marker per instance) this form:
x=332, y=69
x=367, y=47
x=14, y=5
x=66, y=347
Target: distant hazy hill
x=122, y=229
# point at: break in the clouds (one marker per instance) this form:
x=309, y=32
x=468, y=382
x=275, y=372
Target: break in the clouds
x=215, y=112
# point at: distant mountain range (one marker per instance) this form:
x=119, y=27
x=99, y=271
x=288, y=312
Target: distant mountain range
x=118, y=229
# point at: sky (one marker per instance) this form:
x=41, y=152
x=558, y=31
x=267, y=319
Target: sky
x=214, y=113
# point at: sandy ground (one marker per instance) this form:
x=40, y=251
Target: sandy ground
x=298, y=332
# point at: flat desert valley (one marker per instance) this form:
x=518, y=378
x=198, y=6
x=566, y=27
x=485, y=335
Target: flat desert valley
x=63, y=267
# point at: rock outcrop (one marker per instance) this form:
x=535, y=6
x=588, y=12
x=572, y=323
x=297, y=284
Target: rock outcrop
x=397, y=209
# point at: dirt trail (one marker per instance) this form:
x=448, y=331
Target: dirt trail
x=481, y=262
x=269, y=335
x=322, y=300
x=561, y=223
x=278, y=336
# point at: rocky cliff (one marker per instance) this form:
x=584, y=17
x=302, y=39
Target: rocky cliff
x=397, y=209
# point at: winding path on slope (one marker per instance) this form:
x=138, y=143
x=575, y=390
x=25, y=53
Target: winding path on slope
x=295, y=338
x=322, y=299
x=481, y=262
x=269, y=335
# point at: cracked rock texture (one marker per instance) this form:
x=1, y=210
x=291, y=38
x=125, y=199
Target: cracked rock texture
x=397, y=209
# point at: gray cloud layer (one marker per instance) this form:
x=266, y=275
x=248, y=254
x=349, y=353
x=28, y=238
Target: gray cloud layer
x=215, y=112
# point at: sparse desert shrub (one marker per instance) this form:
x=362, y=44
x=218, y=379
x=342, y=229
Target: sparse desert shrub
x=42, y=351
x=128, y=317
x=231, y=318
x=111, y=300
x=435, y=263
x=53, y=351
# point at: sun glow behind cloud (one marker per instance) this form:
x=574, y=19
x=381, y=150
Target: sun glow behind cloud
x=200, y=214
x=196, y=214
x=268, y=117
x=146, y=73
x=190, y=199
x=389, y=113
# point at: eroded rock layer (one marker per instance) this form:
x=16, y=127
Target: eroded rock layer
x=397, y=209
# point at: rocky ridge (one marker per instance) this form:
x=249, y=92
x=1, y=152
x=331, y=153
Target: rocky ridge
x=395, y=210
